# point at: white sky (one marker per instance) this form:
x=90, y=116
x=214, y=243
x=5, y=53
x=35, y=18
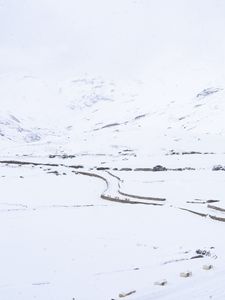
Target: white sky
x=122, y=38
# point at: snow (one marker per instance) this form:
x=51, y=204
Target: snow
x=92, y=92
x=60, y=240
x=53, y=247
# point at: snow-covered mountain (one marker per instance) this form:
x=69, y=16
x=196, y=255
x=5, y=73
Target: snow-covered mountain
x=93, y=114
x=94, y=75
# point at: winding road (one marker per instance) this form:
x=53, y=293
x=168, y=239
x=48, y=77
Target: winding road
x=113, y=191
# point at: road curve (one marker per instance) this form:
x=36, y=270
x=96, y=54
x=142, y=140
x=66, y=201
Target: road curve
x=113, y=191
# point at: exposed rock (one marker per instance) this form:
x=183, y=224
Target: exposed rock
x=140, y=117
x=123, y=295
x=162, y=282
x=197, y=256
x=32, y=137
x=54, y=172
x=110, y=125
x=218, y=168
x=63, y=156
x=77, y=167
x=173, y=152
x=126, y=169
x=142, y=169
x=203, y=252
x=159, y=168
x=190, y=152
x=207, y=92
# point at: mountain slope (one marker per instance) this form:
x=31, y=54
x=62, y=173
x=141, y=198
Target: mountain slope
x=95, y=76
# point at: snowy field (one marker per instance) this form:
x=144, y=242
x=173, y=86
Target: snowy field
x=60, y=240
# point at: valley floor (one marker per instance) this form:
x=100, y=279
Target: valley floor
x=60, y=240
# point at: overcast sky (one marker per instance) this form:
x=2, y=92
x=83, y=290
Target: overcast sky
x=119, y=37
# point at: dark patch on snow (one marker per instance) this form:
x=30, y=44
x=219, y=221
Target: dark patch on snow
x=102, y=168
x=140, y=117
x=218, y=168
x=63, y=156
x=77, y=167
x=173, y=152
x=14, y=119
x=159, y=168
x=208, y=92
x=143, y=169
x=126, y=169
x=32, y=137
x=110, y=125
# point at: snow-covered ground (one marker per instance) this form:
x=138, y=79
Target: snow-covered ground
x=61, y=241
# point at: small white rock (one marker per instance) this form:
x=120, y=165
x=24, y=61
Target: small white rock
x=207, y=267
x=186, y=274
